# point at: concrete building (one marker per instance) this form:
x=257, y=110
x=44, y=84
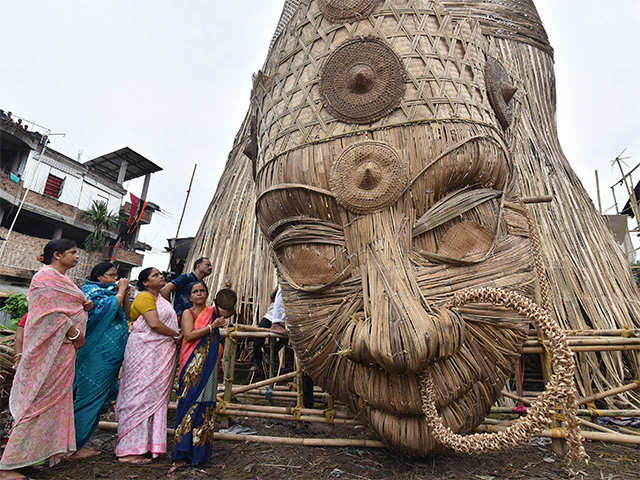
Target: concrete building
x=60, y=190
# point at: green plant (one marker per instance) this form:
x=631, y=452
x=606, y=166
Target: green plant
x=16, y=306
x=102, y=220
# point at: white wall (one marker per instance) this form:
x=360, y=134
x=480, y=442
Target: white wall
x=77, y=190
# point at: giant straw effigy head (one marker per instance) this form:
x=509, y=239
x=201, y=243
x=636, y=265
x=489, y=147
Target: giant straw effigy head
x=384, y=136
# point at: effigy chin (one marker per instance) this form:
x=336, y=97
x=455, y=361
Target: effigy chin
x=383, y=140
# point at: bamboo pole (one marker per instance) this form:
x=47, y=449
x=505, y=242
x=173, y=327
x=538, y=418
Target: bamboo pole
x=229, y=361
x=623, y=332
x=251, y=334
x=286, y=410
x=562, y=433
x=272, y=358
x=307, y=442
x=268, y=381
x=590, y=348
x=594, y=341
x=598, y=190
x=581, y=411
x=281, y=416
x=609, y=393
x=281, y=394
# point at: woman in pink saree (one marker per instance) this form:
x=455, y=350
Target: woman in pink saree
x=147, y=373
x=41, y=400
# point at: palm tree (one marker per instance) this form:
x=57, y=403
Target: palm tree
x=102, y=220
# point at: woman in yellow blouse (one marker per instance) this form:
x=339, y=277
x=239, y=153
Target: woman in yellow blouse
x=147, y=372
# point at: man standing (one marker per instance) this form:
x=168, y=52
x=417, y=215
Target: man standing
x=201, y=268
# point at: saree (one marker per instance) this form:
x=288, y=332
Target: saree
x=147, y=374
x=197, y=389
x=98, y=362
x=41, y=401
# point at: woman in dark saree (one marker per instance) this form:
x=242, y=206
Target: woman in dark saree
x=198, y=375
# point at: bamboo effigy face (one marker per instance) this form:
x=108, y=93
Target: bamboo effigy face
x=385, y=184
x=345, y=235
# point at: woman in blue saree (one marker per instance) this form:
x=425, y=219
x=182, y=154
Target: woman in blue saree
x=198, y=375
x=98, y=363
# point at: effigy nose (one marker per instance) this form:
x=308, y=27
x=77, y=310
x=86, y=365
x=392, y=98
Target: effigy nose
x=401, y=332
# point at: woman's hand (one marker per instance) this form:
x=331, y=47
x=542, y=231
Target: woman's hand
x=178, y=338
x=88, y=305
x=219, y=322
x=16, y=360
x=123, y=285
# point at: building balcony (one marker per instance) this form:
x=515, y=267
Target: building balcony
x=129, y=257
x=50, y=212
x=146, y=215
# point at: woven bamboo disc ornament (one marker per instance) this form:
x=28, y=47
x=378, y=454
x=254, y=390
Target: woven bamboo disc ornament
x=362, y=81
x=368, y=176
x=339, y=11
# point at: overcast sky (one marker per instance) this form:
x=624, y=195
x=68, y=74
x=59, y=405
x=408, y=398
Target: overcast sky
x=172, y=81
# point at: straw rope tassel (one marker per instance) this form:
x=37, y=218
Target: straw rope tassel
x=559, y=390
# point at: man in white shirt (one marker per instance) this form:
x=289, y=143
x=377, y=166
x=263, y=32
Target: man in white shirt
x=274, y=319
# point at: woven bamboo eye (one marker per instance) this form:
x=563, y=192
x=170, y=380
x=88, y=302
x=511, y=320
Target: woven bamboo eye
x=339, y=11
x=368, y=176
x=362, y=81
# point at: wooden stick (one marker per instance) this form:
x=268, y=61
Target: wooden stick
x=538, y=199
x=524, y=401
x=308, y=442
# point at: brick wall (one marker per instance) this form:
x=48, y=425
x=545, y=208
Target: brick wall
x=22, y=250
x=129, y=256
x=52, y=204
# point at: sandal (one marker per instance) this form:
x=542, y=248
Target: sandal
x=177, y=466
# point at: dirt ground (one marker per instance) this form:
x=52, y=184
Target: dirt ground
x=256, y=461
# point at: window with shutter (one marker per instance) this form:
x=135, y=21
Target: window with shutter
x=53, y=187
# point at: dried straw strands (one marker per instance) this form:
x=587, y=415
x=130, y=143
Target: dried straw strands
x=384, y=188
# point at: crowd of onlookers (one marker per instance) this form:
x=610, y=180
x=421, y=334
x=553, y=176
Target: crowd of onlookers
x=9, y=118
